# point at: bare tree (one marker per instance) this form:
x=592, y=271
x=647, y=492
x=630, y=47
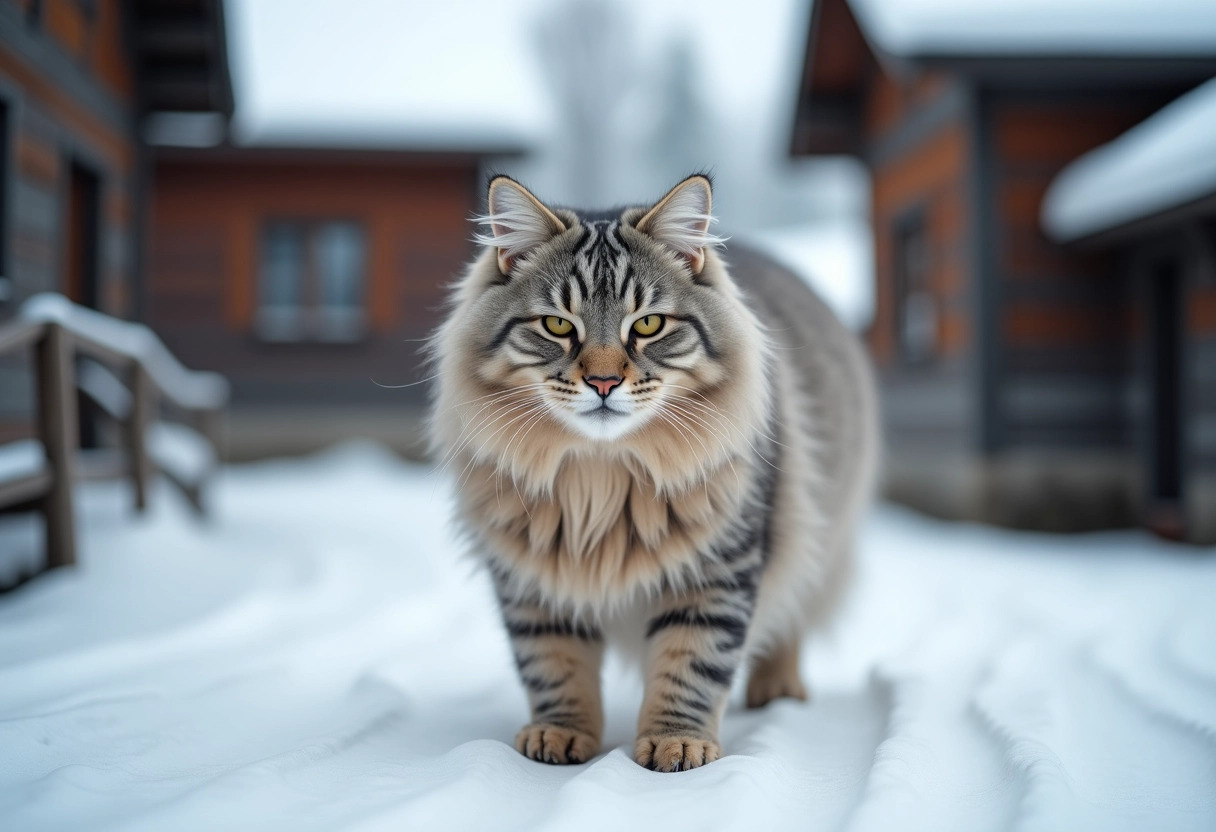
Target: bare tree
x=683, y=138
x=586, y=49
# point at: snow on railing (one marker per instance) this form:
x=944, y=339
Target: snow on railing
x=115, y=339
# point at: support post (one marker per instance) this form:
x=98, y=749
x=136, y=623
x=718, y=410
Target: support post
x=142, y=405
x=57, y=425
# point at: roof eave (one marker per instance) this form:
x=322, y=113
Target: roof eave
x=1112, y=235
x=306, y=154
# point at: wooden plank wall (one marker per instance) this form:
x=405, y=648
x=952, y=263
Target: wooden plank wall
x=89, y=120
x=203, y=275
x=923, y=169
x=1201, y=352
x=66, y=81
x=1065, y=319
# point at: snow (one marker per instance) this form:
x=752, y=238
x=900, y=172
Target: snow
x=464, y=73
x=836, y=257
x=319, y=657
x=1165, y=161
x=1041, y=27
x=380, y=73
x=180, y=450
x=132, y=341
x=21, y=458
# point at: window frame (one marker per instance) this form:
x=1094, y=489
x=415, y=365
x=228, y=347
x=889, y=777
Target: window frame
x=310, y=326
x=908, y=225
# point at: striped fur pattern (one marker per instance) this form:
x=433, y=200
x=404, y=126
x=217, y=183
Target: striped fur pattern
x=653, y=451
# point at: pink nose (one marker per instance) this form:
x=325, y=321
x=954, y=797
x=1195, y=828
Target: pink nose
x=603, y=384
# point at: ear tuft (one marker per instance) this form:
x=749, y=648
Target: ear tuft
x=681, y=220
x=518, y=222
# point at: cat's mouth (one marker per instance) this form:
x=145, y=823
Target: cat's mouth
x=603, y=411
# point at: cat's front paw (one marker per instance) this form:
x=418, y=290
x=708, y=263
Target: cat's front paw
x=674, y=752
x=555, y=744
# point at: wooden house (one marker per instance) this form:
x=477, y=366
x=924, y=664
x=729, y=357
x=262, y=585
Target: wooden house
x=1007, y=359
x=79, y=80
x=1148, y=199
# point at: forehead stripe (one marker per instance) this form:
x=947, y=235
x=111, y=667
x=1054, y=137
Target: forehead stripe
x=625, y=283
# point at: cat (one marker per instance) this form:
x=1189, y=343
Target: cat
x=650, y=437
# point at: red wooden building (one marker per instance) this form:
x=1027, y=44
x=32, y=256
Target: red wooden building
x=1011, y=364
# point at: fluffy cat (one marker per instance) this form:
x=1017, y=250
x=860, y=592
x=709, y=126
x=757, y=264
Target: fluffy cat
x=648, y=439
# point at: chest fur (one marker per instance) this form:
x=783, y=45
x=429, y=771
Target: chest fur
x=602, y=534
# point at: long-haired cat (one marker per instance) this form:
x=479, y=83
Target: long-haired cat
x=650, y=438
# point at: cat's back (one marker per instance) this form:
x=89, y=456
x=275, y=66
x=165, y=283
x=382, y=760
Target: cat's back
x=826, y=362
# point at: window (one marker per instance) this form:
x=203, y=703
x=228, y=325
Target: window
x=311, y=282
x=915, y=307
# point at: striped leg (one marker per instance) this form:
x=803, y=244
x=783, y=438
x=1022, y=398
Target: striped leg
x=694, y=646
x=775, y=675
x=559, y=664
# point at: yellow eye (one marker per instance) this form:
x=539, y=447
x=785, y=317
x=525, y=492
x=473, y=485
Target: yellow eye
x=557, y=326
x=648, y=325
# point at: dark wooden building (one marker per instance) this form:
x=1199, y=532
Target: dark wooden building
x=309, y=276
x=1008, y=360
x=1148, y=199
x=79, y=80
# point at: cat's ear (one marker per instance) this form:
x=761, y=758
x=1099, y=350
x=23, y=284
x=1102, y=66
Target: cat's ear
x=681, y=221
x=518, y=222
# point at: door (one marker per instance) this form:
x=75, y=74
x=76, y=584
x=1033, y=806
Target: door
x=1166, y=502
x=81, y=236
x=81, y=267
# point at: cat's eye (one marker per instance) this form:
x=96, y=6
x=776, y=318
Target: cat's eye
x=557, y=326
x=648, y=325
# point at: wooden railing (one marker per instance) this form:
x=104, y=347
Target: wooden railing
x=129, y=374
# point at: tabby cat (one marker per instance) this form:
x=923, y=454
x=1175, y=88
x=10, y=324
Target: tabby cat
x=655, y=448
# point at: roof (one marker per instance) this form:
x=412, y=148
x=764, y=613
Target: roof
x=319, y=155
x=377, y=75
x=1038, y=44
x=1130, y=28
x=1163, y=163
x=181, y=51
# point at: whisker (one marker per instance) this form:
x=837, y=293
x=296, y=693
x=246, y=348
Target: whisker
x=742, y=436
x=400, y=386
x=482, y=425
x=730, y=456
x=518, y=417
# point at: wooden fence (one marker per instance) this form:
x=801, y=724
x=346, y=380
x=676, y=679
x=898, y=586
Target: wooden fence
x=169, y=418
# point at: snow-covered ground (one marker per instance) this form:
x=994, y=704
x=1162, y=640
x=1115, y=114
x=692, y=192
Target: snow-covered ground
x=319, y=657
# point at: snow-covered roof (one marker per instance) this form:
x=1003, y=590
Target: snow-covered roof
x=1040, y=27
x=464, y=74
x=1165, y=161
x=381, y=73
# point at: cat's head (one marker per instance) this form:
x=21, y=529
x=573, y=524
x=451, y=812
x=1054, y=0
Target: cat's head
x=608, y=324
